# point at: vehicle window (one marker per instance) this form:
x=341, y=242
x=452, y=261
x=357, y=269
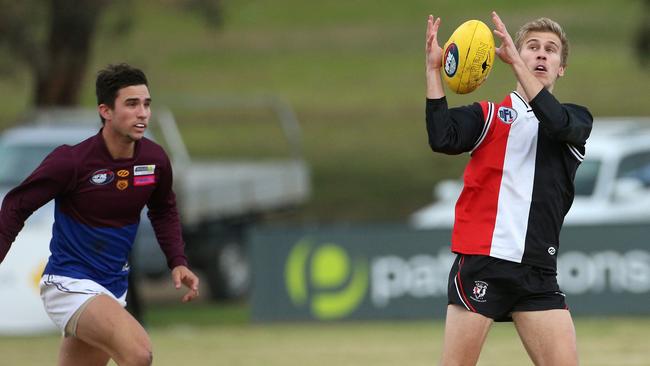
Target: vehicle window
x=636, y=166
x=18, y=161
x=585, y=180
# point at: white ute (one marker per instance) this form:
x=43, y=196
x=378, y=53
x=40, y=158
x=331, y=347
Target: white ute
x=612, y=183
x=217, y=199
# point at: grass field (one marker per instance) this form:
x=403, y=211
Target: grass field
x=222, y=336
x=353, y=70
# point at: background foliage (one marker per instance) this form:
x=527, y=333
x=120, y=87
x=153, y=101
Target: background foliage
x=353, y=71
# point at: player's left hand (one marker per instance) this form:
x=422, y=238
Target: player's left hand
x=507, y=52
x=183, y=275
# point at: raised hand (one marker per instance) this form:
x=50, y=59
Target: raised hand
x=528, y=84
x=433, y=50
x=507, y=52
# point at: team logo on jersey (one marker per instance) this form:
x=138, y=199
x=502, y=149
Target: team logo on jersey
x=507, y=115
x=478, y=293
x=122, y=173
x=102, y=176
x=144, y=169
x=122, y=184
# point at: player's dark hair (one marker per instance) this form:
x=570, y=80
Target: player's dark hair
x=113, y=78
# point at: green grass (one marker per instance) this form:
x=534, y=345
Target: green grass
x=220, y=335
x=353, y=71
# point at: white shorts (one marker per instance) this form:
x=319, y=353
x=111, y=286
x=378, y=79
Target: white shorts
x=63, y=296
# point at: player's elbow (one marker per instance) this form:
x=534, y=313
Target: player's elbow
x=444, y=147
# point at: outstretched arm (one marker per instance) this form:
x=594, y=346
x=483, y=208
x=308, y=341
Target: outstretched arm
x=508, y=53
x=433, y=60
x=451, y=131
x=54, y=176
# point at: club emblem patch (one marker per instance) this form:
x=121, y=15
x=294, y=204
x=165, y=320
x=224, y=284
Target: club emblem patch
x=507, y=115
x=123, y=173
x=478, y=293
x=122, y=184
x=102, y=176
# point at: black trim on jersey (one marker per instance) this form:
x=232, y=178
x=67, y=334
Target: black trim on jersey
x=574, y=150
x=486, y=127
x=528, y=107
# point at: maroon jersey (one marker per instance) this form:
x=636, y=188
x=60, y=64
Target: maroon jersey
x=98, y=202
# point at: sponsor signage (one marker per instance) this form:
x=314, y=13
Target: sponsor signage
x=395, y=272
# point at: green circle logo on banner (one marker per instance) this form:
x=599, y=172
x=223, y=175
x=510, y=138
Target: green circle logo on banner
x=324, y=278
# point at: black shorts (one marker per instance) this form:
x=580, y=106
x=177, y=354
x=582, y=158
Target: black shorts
x=495, y=288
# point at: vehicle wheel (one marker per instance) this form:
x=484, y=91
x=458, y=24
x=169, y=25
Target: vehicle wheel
x=229, y=275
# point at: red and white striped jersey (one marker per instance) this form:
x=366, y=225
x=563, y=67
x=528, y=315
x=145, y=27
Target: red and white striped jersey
x=518, y=183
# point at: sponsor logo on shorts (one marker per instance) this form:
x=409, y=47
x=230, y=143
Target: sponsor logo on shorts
x=144, y=169
x=552, y=250
x=102, y=176
x=122, y=184
x=478, y=293
x=144, y=181
x=122, y=173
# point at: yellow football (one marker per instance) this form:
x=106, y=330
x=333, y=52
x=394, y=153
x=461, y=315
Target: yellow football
x=468, y=57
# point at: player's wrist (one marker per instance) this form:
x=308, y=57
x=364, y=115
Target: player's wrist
x=518, y=65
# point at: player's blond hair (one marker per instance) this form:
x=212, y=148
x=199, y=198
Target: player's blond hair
x=544, y=25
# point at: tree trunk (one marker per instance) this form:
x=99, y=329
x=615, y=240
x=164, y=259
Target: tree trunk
x=59, y=76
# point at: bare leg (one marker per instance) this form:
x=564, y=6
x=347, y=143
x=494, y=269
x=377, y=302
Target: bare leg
x=548, y=336
x=75, y=352
x=465, y=333
x=106, y=326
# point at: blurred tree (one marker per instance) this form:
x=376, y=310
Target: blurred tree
x=54, y=39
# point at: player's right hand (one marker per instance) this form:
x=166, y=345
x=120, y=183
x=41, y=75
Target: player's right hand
x=433, y=50
x=182, y=275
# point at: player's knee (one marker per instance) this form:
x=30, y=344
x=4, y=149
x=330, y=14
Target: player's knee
x=136, y=355
x=143, y=357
